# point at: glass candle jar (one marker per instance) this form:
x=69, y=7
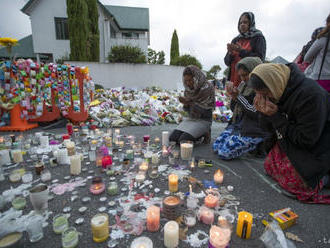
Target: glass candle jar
x=34, y=228
x=60, y=223
x=186, y=149
x=15, y=176
x=45, y=175
x=112, y=188
x=17, y=156
x=92, y=155
x=70, y=238
x=190, y=218
x=19, y=203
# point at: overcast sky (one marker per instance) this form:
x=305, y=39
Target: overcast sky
x=204, y=27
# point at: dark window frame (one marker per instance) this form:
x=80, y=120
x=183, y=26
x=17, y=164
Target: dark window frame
x=61, y=28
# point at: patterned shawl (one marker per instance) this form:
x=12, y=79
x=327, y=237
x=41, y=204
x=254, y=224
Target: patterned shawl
x=202, y=93
x=252, y=30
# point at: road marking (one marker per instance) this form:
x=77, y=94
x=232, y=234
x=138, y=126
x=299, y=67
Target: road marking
x=226, y=167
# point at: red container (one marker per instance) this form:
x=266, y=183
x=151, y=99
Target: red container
x=106, y=162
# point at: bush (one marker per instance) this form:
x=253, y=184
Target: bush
x=126, y=54
x=98, y=87
x=186, y=60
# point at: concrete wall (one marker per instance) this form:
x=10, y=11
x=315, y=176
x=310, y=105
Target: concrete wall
x=112, y=75
x=43, y=28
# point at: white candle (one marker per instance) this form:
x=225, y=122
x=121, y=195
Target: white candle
x=17, y=156
x=44, y=141
x=75, y=164
x=186, y=150
x=4, y=157
x=165, y=138
x=142, y=242
x=139, y=178
x=171, y=234
x=62, y=156
x=155, y=158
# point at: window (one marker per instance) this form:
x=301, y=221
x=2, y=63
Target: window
x=61, y=28
x=112, y=32
x=131, y=35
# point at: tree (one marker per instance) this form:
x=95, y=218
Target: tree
x=77, y=11
x=156, y=57
x=212, y=73
x=126, y=54
x=186, y=60
x=174, y=47
x=94, y=36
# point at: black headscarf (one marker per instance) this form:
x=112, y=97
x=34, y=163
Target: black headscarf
x=253, y=32
x=310, y=43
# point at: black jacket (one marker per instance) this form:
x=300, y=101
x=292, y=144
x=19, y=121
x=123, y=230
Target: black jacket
x=258, y=49
x=302, y=126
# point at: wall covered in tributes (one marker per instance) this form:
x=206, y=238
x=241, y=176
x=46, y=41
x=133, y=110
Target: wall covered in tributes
x=112, y=75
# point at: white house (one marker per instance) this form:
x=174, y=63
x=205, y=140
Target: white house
x=118, y=25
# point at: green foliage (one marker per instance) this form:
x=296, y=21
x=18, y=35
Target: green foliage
x=174, y=47
x=126, y=54
x=212, y=73
x=186, y=60
x=156, y=57
x=77, y=11
x=98, y=87
x=226, y=72
x=94, y=36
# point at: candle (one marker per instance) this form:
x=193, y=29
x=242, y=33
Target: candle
x=27, y=177
x=140, y=177
x=97, y=186
x=186, y=150
x=144, y=166
x=218, y=176
x=112, y=188
x=154, y=158
x=117, y=131
x=17, y=156
x=70, y=146
x=157, y=140
x=106, y=162
x=121, y=143
x=62, y=156
x=206, y=215
x=165, y=151
x=108, y=141
x=45, y=175
x=100, y=227
x=75, y=165
x=19, y=203
x=92, y=155
x=219, y=237
x=4, y=157
x=244, y=225
x=192, y=164
x=15, y=176
x=153, y=217
x=130, y=154
x=39, y=167
x=173, y=184
x=70, y=238
x=171, y=207
x=69, y=128
x=12, y=240
x=60, y=223
x=171, y=234
x=165, y=138
x=146, y=138
x=222, y=221
x=142, y=242
x=65, y=137
x=44, y=141
x=190, y=218
x=93, y=144
x=211, y=200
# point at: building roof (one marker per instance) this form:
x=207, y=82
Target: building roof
x=24, y=49
x=127, y=18
x=130, y=18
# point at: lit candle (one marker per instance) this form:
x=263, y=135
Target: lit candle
x=140, y=177
x=75, y=165
x=222, y=221
x=17, y=156
x=171, y=234
x=153, y=217
x=142, y=242
x=155, y=158
x=173, y=183
x=97, y=186
x=244, y=225
x=219, y=237
x=144, y=166
x=100, y=227
x=192, y=164
x=165, y=138
x=157, y=140
x=206, y=215
x=218, y=176
x=211, y=200
x=186, y=150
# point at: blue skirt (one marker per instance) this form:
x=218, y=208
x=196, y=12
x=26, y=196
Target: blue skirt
x=229, y=145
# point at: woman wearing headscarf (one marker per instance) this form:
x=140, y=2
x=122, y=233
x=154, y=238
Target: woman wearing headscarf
x=297, y=110
x=319, y=57
x=249, y=43
x=198, y=101
x=243, y=133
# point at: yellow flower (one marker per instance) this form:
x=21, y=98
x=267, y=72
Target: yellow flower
x=84, y=70
x=8, y=42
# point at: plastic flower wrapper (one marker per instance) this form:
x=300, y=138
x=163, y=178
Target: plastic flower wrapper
x=273, y=237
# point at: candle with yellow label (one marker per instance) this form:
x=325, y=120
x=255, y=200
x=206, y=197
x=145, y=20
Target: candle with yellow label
x=100, y=227
x=244, y=225
x=173, y=183
x=153, y=217
x=218, y=176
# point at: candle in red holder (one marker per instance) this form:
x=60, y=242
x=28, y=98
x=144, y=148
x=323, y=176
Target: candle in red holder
x=97, y=186
x=65, y=136
x=146, y=138
x=69, y=128
x=153, y=216
x=106, y=162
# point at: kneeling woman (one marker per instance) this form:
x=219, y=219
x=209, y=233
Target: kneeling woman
x=198, y=101
x=298, y=112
